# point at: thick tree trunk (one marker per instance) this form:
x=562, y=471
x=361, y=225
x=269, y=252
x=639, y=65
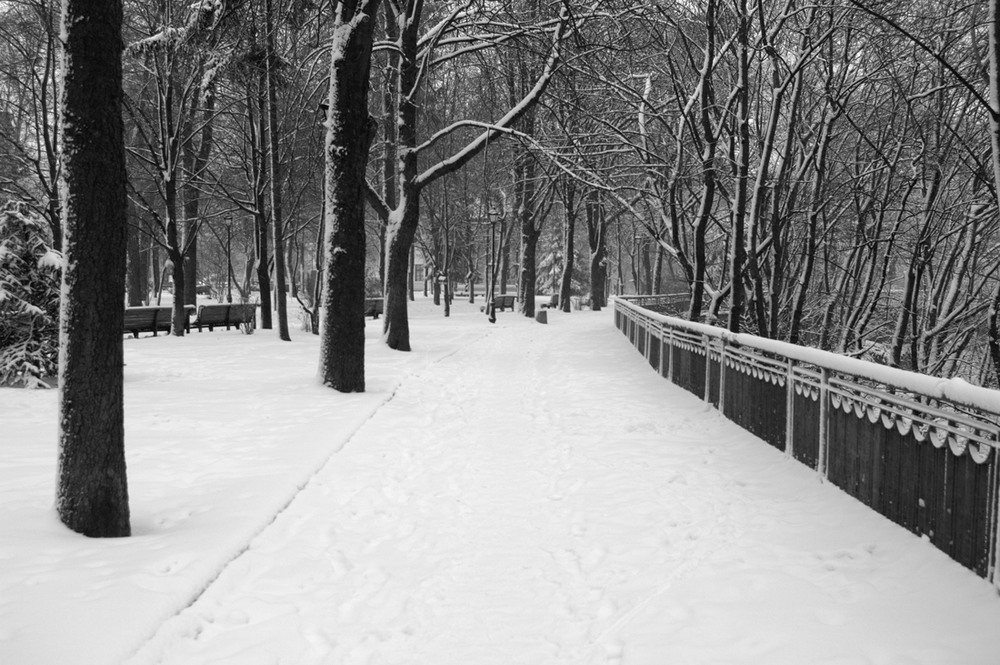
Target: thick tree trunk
x=402, y=223
x=92, y=495
x=349, y=134
x=398, y=241
x=598, y=280
x=597, y=226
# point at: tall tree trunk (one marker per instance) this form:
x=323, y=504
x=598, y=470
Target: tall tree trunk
x=175, y=254
x=390, y=116
x=190, y=240
x=349, y=135
x=402, y=223
x=597, y=226
x=994, y=115
x=504, y=259
x=262, y=230
x=815, y=210
x=569, y=231
x=195, y=162
x=737, y=244
x=138, y=268
x=92, y=494
x=274, y=157
x=525, y=188
x=708, y=175
x=398, y=241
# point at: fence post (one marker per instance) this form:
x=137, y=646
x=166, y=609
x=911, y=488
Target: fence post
x=660, y=341
x=996, y=523
x=824, y=413
x=722, y=376
x=789, y=407
x=707, y=343
x=649, y=336
x=670, y=365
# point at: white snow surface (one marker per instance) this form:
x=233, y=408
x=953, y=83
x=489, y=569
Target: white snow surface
x=508, y=494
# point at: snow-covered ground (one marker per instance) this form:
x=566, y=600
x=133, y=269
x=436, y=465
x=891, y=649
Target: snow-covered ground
x=509, y=494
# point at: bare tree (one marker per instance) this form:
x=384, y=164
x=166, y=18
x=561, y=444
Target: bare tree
x=458, y=32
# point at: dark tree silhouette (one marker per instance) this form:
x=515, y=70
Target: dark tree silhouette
x=92, y=495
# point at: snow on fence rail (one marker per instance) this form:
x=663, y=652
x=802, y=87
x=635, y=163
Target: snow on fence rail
x=920, y=450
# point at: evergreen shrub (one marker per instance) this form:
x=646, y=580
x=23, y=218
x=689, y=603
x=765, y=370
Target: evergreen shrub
x=29, y=299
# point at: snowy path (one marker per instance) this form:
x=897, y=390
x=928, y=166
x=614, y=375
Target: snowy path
x=541, y=497
x=503, y=495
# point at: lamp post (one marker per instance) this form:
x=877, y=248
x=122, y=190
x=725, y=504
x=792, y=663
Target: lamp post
x=492, y=264
x=229, y=259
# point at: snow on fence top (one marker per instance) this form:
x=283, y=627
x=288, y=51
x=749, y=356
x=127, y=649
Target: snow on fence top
x=956, y=390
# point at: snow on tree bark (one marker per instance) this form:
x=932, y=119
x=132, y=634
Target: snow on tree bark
x=349, y=135
x=92, y=495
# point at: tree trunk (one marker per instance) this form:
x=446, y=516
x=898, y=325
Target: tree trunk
x=994, y=69
x=398, y=240
x=92, y=494
x=707, y=103
x=401, y=227
x=175, y=254
x=349, y=134
x=191, y=247
x=195, y=162
x=597, y=226
x=524, y=195
x=569, y=231
x=277, y=222
x=261, y=226
x=504, y=259
x=737, y=247
x=138, y=269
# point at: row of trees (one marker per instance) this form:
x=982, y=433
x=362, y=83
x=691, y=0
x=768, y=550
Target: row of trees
x=821, y=173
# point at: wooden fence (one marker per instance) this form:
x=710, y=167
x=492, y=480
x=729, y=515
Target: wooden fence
x=920, y=450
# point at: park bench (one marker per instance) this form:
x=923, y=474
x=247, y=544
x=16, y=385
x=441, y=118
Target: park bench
x=374, y=307
x=502, y=302
x=151, y=319
x=226, y=314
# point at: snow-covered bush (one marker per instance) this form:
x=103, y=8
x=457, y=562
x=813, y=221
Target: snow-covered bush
x=29, y=299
